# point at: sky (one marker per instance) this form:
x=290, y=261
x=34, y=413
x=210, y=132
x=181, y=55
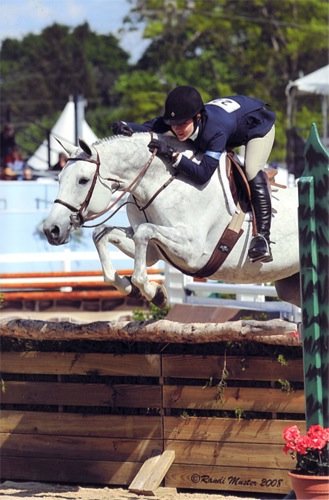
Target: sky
x=20, y=17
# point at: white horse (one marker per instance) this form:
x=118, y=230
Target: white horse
x=171, y=218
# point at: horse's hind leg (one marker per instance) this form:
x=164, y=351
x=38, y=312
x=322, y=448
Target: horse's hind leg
x=288, y=289
x=121, y=237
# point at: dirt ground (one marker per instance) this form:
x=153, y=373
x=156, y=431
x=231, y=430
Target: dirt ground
x=10, y=490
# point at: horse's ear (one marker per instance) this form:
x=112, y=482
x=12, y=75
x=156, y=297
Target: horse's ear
x=84, y=146
x=67, y=146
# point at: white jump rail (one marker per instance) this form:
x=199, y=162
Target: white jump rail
x=66, y=257
x=184, y=290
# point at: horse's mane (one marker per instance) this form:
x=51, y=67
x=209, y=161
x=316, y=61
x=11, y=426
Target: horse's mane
x=100, y=142
x=171, y=139
x=111, y=138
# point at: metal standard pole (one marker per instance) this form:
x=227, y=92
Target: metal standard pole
x=48, y=148
x=79, y=111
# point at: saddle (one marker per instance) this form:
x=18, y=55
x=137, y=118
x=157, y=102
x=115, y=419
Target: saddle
x=238, y=182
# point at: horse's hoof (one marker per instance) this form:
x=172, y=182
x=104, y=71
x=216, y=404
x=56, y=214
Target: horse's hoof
x=135, y=292
x=160, y=298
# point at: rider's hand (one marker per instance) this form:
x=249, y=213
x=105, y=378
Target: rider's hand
x=121, y=128
x=162, y=150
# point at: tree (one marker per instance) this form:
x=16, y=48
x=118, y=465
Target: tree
x=226, y=47
x=39, y=73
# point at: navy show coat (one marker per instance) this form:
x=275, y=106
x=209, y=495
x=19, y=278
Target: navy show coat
x=226, y=123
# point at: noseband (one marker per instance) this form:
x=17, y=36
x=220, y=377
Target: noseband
x=77, y=218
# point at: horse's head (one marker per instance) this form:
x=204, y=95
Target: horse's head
x=83, y=193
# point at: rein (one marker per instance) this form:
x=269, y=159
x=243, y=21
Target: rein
x=77, y=218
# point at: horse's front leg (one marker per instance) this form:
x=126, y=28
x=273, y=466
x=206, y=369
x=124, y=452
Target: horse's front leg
x=172, y=240
x=122, y=238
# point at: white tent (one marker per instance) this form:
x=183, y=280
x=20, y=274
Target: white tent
x=313, y=83
x=64, y=128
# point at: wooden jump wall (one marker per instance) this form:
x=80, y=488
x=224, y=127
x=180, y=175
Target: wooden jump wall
x=80, y=408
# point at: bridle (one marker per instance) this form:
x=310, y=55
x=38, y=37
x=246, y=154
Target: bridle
x=77, y=218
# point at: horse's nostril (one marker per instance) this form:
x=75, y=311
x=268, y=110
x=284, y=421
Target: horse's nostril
x=54, y=232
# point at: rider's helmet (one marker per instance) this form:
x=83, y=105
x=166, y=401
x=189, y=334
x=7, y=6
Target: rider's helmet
x=182, y=104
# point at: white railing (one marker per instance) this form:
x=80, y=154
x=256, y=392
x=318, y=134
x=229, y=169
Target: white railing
x=184, y=290
x=180, y=288
x=65, y=258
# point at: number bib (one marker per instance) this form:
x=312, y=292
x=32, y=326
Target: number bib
x=227, y=105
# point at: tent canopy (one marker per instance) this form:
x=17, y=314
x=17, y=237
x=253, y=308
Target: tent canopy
x=316, y=83
x=64, y=128
x=313, y=83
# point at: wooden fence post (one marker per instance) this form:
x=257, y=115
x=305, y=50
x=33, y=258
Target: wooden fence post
x=314, y=259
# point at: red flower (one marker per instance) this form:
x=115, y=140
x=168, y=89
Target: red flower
x=318, y=436
x=311, y=451
x=303, y=444
x=291, y=434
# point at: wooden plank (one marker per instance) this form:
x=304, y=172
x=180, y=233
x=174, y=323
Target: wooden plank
x=50, y=275
x=68, y=471
x=227, y=429
x=75, y=424
x=53, y=285
x=58, y=284
x=238, y=367
x=232, y=398
x=65, y=274
x=152, y=473
x=70, y=394
x=78, y=447
x=56, y=295
x=235, y=454
x=202, y=477
x=67, y=363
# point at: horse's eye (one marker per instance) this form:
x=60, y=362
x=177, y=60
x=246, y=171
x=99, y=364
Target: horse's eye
x=83, y=181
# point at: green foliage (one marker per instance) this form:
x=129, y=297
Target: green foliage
x=285, y=385
x=239, y=413
x=152, y=313
x=40, y=72
x=282, y=360
x=222, y=383
x=222, y=47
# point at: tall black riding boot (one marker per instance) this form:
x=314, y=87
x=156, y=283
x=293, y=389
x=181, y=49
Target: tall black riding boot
x=259, y=248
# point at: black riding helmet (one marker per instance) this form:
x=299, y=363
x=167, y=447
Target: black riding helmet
x=182, y=104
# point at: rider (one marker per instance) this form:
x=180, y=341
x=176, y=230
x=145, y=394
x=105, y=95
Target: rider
x=223, y=123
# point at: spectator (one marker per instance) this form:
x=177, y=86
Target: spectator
x=7, y=140
x=62, y=159
x=28, y=174
x=7, y=174
x=14, y=163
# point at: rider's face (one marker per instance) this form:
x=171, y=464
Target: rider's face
x=184, y=130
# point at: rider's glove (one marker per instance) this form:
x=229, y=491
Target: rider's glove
x=121, y=128
x=163, y=150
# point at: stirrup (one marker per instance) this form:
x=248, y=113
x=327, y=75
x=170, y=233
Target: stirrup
x=259, y=249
